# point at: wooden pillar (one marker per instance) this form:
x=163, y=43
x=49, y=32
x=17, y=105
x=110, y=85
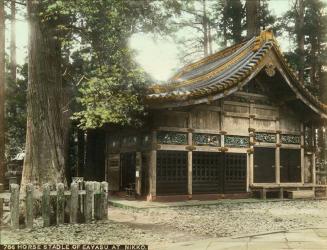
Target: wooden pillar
x=251, y=163
x=153, y=167
x=277, y=159
x=138, y=175
x=189, y=166
x=302, y=153
x=314, y=179
x=251, y=159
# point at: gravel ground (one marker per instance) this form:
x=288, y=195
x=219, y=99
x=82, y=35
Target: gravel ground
x=159, y=226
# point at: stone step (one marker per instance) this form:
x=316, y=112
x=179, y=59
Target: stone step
x=301, y=194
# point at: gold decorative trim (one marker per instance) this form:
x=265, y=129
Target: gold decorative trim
x=270, y=69
x=251, y=130
x=190, y=148
x=223, y=149
x=250, y=150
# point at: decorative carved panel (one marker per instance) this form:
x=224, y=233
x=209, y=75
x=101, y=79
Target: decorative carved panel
x=290, y=139
x=175, y=138
x=114, y=141
x=146, y=139
x=237, y=141
x=129, y=141
x=308, y=137
x=265, y=137
x=206, y=140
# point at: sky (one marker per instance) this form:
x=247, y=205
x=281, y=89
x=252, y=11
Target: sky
x=158, y=57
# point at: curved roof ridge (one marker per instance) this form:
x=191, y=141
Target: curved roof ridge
x=208, y=59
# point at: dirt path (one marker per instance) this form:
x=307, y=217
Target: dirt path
x=162, y=226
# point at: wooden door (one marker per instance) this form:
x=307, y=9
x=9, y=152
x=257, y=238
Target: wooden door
x=113, y=171
x=127, y=170
x=171, y=172
x=207, y=172
x=235, y=173
x=290, y=165
x=264, y=165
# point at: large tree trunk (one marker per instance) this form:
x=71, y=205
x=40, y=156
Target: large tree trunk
x=299, y=24
x=2, y=91
x=46, y=132
x=13, y=64
x=252, y=13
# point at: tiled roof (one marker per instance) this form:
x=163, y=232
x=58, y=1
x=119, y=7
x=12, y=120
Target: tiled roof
x=225, y=70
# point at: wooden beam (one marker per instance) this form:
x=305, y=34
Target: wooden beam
x=153, y=167
x=302, y=153
x=190, y=158
x=313, y=171
x=251, y=159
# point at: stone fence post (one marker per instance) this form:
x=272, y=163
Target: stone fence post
x=46, y=210
x=29, y=205
x=14, y=206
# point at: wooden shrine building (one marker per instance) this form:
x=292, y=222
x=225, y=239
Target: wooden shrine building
x=230, y=124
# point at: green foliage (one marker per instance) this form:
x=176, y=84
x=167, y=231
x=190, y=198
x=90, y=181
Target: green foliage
x=315, y=38
x=99, y=68
x=266, y=19
x=232, y=15
x=16, y=113
x=114, y=100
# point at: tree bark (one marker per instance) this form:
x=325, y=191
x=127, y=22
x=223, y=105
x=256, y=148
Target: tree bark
x=210, y=40
x=299, y=24
x=2, y=91
x=205, y=29
x=252, y=23
x=13, y=63
x=46, y=132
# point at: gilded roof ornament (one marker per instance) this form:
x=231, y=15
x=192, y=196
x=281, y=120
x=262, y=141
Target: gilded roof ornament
x=270, y=69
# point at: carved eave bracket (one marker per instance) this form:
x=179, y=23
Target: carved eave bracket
x=270, y=69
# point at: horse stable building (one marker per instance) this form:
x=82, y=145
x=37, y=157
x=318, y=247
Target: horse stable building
x=234, y=123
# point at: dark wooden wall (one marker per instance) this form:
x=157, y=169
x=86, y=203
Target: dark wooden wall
x=95, y=155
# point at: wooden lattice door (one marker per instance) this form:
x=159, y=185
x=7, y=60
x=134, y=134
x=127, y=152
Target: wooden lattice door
x=235, y=173
x=290, y=165
x=171, y=172
x=207, y=172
